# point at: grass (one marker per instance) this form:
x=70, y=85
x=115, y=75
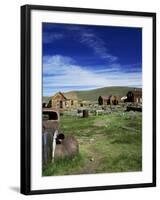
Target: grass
x=64, y=166
x=107, y=143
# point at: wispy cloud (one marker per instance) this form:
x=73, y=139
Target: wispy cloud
x=97, y=44
x=84, y=36
x=51, y=37
x=90, y=39
x=116, y=67
x=62, y=73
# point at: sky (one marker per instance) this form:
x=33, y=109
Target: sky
x=85, y=57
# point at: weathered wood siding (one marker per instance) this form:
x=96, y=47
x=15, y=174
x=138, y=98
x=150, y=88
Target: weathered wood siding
x=59, y=101
x=134, y=96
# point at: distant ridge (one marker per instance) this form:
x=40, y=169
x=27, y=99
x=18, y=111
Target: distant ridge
x=92, y=95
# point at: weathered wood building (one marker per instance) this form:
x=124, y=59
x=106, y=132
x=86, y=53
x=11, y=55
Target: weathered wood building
x=134, y=96
x=108, y=100
x=63, y=101
x=104, y=100
x=114, y=100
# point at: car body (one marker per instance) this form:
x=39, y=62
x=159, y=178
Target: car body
x=51, y=120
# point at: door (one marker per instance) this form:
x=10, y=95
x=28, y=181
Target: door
x=61, y=104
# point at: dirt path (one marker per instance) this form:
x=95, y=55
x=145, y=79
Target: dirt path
x=92, y=158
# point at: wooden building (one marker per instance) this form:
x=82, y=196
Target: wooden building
x=108, y=100
x=114, y=100
x=104, y=100
x=134, y=96
x=63, y=101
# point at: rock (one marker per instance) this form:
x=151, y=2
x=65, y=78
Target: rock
x=92, y=159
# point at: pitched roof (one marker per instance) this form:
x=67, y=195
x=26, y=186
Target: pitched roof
x=57, y=94
x=67, y=95
x=70, y=95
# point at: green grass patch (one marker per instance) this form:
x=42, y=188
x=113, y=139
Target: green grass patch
x=107, y=144
x=64, y=166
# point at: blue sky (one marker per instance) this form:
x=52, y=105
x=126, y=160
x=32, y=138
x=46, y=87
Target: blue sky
x=84, y=57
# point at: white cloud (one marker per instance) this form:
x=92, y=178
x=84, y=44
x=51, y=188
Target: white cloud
x=50, y=37
x=86, y=36
x=97, y=44
x=61, y=73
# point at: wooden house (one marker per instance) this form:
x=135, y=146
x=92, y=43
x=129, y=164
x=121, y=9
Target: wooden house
x=104, y=100
x=108, y=100
x=114, y=100
x=63, y=101
x=134, y=96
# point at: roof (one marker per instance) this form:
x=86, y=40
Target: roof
x=105, y=97
x=70, y=95
x=67, y=95
x=60, y=94
x=137, y=92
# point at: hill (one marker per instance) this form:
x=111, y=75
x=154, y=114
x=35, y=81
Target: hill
x=92, y=95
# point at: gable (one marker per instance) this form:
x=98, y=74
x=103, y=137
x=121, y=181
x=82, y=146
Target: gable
x=59, y=96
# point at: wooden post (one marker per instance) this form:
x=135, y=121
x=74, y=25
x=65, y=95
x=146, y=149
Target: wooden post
x=85, y=113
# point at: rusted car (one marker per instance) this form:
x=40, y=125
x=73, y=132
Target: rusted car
x=55, y=143
x=51, y=120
